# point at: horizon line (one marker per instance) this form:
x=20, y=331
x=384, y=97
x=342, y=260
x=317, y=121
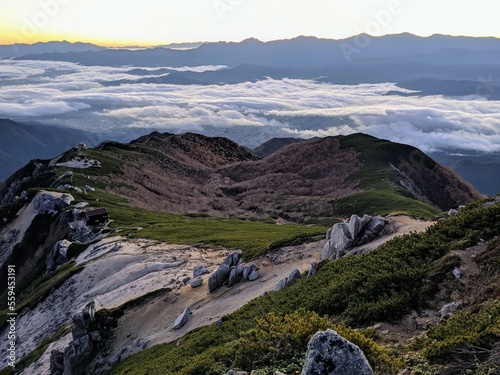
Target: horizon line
x=161, y=44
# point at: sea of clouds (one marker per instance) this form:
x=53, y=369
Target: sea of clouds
x=249, y=113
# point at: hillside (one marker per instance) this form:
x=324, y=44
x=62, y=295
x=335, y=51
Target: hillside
x=180, y=202
x=309, y=181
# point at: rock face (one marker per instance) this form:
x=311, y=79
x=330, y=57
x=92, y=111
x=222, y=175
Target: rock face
x=330, y=354
x=357, y=231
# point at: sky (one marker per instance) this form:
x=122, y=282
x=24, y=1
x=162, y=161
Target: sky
x=156, y=22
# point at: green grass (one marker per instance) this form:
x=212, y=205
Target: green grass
x=383, y=202
x=383, y=194
x=251, y=236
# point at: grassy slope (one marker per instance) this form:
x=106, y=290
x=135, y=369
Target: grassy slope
x=384, y=284
x=253, y=237
x=382, y=194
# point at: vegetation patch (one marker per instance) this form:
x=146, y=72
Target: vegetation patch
x=382, y=285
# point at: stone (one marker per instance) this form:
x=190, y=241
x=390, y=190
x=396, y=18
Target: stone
x=78, y=355
x=281, y=284
x=457, y=273
x=200, y=270
x=330, y=354
x=452, y=212
x=196, y=282
x=88, y=189
x=313, y=269
x=235, y=275
x=58, y=254
x=247, y=270
x=49, y=203
x=375, y=225
x=219, y=277
x=182, y=319
x=340, y=240
x=287, y=280
x=355, y=226
x=186, y=279
x=449, y=309
x=254, y=276
x=233, y=259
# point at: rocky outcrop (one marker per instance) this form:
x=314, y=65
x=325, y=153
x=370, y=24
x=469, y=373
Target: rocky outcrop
x=49, y=203
x=232, y=271
x=58, y=254
x=287, y=280
x=82, y=350
x=357, y=231
x=330, y=354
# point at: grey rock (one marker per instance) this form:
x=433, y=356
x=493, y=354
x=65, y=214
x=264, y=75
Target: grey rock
x=313, y=269
x=78, y=355
x=219, y=277
x=281, y=284
x=247, y=270
x=196, y=282
x=449, y=309
x=233, y=259
x=452, y=212
x=235, y=275
x=329, y=234
x=340, y=240
x=376, y=224
x=254, y=276
x=234, y=372
x=457, y=273
x=58, y=254
x=200, y=270
x=330, y=354
x=185, y=280
x=49, y=203
x=95, y=336
x=182, y=319
x=355, y=226
x=365, y=220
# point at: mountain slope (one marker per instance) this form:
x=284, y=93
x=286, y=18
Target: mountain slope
x=307, y=181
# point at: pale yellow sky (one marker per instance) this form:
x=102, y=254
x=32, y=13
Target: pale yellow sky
x=150, y=22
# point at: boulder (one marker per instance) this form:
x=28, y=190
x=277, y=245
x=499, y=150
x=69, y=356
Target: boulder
x=449, y=309
x=233, y=259
x=376, y=224
x=219, y=277
x=247, y=270
x=235, y=275
x=287, y=280
x=313, y=269
x=78, y=355
x=330, y=354
x=355, y=226
x=200, y=270
x=196, y=282
x=182, y=319
x=253, y=276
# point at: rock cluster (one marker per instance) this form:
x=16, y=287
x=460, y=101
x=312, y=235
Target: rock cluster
x=330, y=354
x=357, y=231
x=232, y=271
x=81, y=351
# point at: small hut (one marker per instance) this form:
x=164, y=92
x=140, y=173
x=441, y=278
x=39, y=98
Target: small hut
x=98, y=216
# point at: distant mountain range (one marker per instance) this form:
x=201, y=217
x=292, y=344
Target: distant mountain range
x=436, y=65
x=21, y=49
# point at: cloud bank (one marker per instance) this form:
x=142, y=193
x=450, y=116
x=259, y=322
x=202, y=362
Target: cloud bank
x=249, y=113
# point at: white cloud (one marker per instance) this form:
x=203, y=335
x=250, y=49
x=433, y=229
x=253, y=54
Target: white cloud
x=299, y=108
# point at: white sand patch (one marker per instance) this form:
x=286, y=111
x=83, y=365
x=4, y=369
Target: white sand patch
x=80, y=163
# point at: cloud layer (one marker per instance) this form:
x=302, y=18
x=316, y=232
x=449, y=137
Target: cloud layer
x=249, y=113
